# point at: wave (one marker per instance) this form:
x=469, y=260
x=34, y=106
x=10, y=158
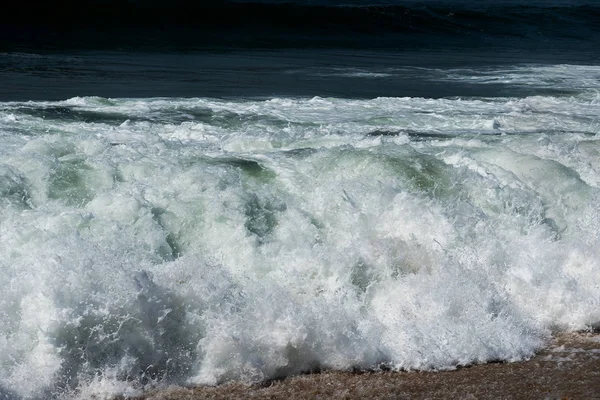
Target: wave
x=321, y=24
x=169, y=241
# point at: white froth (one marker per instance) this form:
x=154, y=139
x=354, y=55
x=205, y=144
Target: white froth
x=195, y=241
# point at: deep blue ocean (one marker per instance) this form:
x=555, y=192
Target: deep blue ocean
x=232, y=49
x=194, y=194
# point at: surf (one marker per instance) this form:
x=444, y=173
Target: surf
x=156, y=241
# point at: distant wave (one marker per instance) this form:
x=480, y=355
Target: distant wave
x=267, y=24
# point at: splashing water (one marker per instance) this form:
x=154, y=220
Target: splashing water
x=196, y=241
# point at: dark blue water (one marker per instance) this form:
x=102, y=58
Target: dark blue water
x=356, y=49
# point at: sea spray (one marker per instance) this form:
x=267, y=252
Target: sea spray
x=197, y=241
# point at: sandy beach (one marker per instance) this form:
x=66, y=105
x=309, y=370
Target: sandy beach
x=569, y=368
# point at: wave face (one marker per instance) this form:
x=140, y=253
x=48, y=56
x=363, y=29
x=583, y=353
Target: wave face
x=323, y=24
x=160, y=241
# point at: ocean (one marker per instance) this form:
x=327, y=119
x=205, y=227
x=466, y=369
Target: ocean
x=248, y=190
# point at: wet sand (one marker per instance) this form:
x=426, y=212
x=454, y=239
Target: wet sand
x=569, y=368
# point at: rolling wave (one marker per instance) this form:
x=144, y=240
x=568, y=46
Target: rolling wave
x=149, y=242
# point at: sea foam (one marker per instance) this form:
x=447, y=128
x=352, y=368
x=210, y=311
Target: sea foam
x=259, y=239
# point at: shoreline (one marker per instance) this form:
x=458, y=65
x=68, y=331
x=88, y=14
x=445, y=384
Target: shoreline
x=569, y=367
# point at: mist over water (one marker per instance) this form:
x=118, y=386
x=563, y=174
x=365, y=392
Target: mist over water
x=258, y=197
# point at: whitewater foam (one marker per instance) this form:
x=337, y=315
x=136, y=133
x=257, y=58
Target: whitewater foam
x=195, y=241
